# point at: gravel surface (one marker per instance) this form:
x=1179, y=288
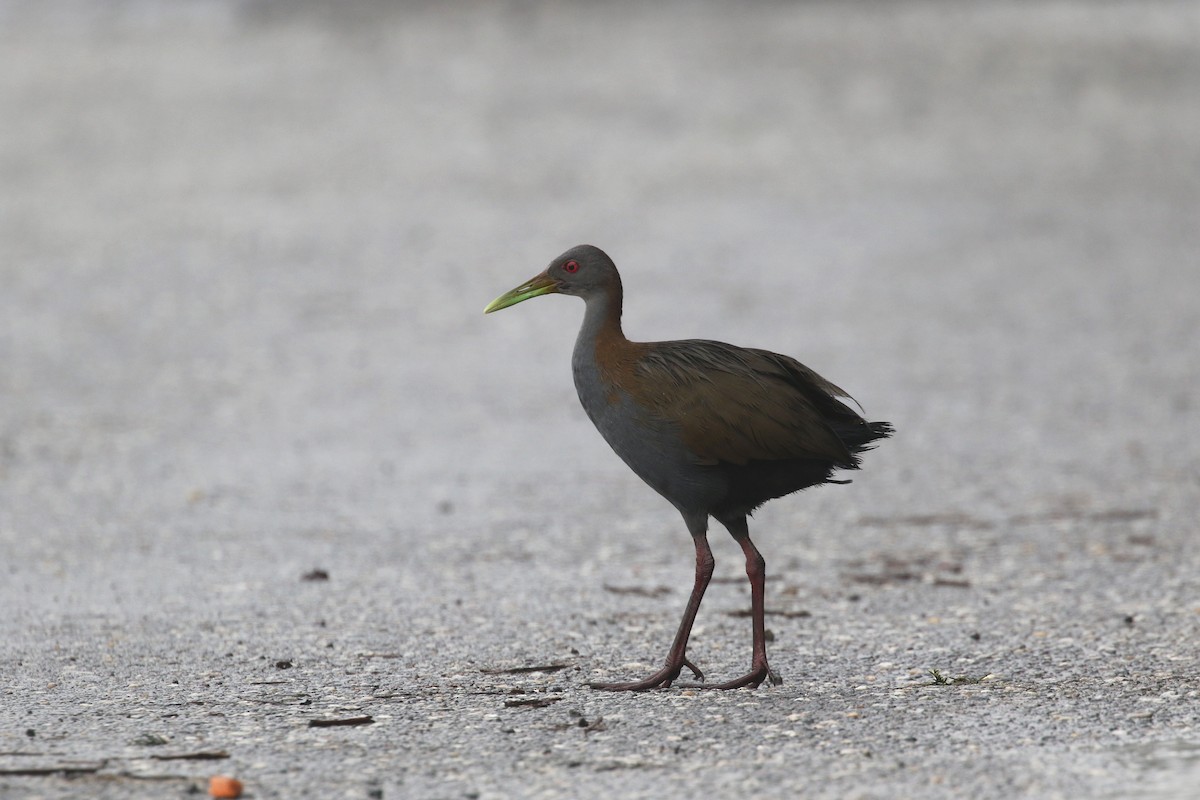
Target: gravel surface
x=264, y=463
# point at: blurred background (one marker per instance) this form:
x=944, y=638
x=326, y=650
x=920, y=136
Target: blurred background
x=245, y=248
x=273, y=224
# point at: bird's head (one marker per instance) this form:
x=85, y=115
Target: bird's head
x=583, y=271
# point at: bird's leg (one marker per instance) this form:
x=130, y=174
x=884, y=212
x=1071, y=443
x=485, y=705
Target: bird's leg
x=677, y=656
x=756, y=571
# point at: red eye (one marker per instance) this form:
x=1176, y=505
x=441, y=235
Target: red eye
x=571, y=267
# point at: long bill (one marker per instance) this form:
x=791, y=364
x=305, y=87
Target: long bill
x=534, y=287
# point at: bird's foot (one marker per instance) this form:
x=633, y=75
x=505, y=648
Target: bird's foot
x=659, y=680
x=758, y=674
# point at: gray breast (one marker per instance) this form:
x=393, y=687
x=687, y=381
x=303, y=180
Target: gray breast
x=651, y=447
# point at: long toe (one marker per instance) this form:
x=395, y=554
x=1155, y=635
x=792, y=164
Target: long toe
x=659, y=680
x=652, y=682
x=752, y=679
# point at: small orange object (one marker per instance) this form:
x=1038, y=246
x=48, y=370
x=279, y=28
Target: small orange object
x=223, y=786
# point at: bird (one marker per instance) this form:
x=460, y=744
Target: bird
x=717, y=430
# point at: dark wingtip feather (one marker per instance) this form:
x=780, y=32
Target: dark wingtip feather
x=858, y=436
x=881, y=430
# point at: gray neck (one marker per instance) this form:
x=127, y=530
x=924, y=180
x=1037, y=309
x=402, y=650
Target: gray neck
x=600, y=320
x=600, y=315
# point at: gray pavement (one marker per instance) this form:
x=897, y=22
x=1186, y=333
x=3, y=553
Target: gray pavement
x=244, y=250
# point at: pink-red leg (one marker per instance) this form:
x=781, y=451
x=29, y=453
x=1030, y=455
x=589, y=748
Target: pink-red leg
x=756, y=571
x=677, y=656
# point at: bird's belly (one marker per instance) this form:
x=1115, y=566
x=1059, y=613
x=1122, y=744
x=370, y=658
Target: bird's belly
x=653, y=449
